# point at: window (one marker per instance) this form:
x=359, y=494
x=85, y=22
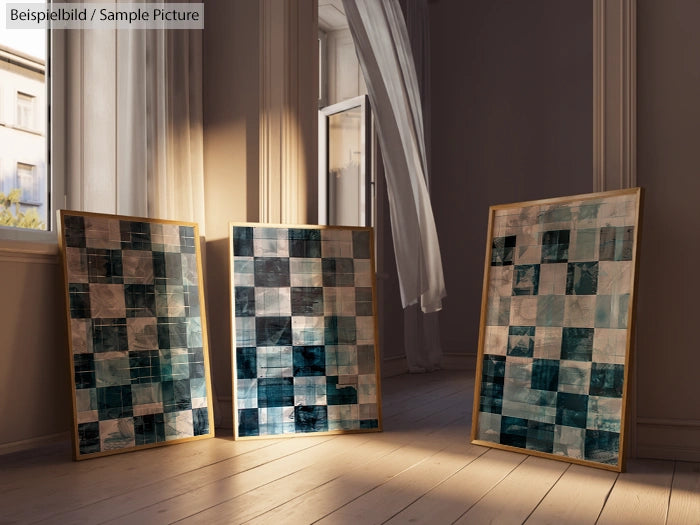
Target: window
x=28, y=183
x=24, y=136
x=25, y=110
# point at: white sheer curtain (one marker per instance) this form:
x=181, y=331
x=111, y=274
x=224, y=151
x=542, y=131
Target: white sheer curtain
x=384, y=53
x=135, y=126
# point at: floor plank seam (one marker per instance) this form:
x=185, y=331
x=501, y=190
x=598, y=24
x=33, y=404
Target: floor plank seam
x=670, y=492
x=169, y=478
x=492, y=488
x=436, y=486
x=607, y=497
x=545, y=494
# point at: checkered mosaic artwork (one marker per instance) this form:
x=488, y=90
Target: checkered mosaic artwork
x=305, y=354
x=137, y=335
x=554, y=337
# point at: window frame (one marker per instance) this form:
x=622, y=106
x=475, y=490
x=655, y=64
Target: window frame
x=20, y=239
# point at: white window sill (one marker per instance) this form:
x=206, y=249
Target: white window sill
x=20, y=245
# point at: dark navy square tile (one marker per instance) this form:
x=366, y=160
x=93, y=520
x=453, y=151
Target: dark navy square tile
x=244, y=301
x=273, y=331
x=577, y=344
x=540, y=436
x=555, y=246
x=247, y=363
x=340, y=330
x=172, y=332
x=338, y=271
x=545, y=374
x=242, y=241
x=149, y=429
x=89, y=437
x=309, y=361
x=200, y=420
x=514, y=431
x=140, y=300
x=340, y=395
x=105, y=266
x=602, y=447
x=144, y=366
x=74, y=231
x=307, y=301
x=84, y=370
x=109, y=335
x=79, y=298
x=114, y=402
x=361, y=247
x=272, y=271
x=502, y=249
x=582, y=278
x=135, y=235
x=607, y=379
x=177, y=395
x=311, y=418
x=275, y=392
x=248, y=424
x=572, y=410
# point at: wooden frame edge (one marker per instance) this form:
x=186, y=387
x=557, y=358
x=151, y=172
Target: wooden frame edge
x=61, y=213
x=377, y=353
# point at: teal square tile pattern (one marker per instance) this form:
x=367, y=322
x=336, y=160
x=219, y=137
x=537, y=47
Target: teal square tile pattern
x=137, y=341
x=553, y=353
x=305, y=354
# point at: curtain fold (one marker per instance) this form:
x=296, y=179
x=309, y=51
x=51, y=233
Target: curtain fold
x=384, y=52
x=137, y=137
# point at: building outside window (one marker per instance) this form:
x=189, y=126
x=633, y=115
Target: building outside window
x=28, y=183
x=25, y=110
x=24, y=174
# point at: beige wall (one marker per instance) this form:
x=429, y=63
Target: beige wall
x=512, y=121
x=35, y=398
x=668, y=166
x=233, y=90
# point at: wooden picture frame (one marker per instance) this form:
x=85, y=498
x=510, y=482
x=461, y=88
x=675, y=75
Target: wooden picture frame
x=137, y=332
x=556, y=327
x=304, y=330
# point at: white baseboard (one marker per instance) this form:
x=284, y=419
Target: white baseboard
x=677, y=439
x=37, y=442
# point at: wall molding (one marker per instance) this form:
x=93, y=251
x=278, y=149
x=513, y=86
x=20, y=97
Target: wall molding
x=614, y=94
x=28, y=252
x=34, y=443
x=663, y=438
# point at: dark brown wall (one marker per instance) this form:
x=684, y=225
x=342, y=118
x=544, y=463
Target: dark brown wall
x=512, y=121
x=668, y=167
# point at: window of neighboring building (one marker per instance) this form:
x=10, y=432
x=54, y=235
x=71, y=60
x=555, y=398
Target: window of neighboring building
x=28, y=183
x=25, y=110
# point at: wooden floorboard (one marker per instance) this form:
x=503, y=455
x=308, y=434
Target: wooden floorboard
x=420, y=469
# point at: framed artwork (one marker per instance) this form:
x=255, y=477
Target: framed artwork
x=137, y=333
x=305, y=356
x=556, y=316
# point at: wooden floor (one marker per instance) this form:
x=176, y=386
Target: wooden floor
x=421, y=469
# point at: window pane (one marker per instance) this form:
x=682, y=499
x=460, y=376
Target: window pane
x=24, y=180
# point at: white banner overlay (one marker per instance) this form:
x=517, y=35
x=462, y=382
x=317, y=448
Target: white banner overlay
x=80, y=15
